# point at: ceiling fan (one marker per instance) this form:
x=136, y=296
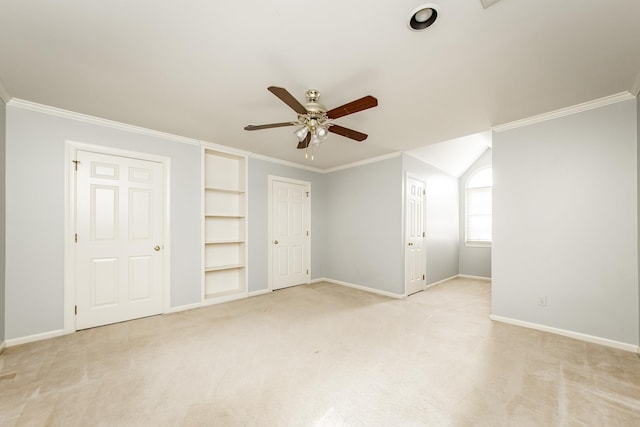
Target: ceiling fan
x=315, y=120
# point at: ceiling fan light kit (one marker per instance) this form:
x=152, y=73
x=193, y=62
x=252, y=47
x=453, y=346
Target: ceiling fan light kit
x=315, y=120
x=422, y=17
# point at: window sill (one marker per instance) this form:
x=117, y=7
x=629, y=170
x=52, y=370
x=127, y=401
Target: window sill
x=478, y=244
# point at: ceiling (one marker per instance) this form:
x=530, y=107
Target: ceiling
x=201, y=69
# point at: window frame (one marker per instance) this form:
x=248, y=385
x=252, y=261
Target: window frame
x=476, y=243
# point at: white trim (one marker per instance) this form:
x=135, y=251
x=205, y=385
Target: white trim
x=575, y=335
x=359, y=287
x=185, y=307
x=224, y=298
x=635, y=89
x=215, y=150
x=285, y=163
x=33, y=338
x=224, y=148
x=477, y=244
x=4, y=95
x=307, y=261
x=69, y=296
x=71, y=148
x=260, y=292
x=363, y=162
x=439, y=282
x=3, y=345
x=32, y=106
x=328, y=170
x=467, y=276
x=59, y=112
x=589, y=105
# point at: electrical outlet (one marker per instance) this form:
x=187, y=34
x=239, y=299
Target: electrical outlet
x=542, y=301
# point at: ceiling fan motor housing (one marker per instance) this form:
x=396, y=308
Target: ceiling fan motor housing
x=312, y=105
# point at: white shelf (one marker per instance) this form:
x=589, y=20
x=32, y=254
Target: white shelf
x=224, y=243
x=225, y=190
x=223, y=267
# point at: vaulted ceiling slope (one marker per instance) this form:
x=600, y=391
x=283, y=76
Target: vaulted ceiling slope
x=201, y=69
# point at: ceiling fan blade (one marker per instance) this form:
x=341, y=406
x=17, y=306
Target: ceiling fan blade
x=269, y=126
x=288, y=99
x=349, y=133
x=305, y=142
x=353, y=107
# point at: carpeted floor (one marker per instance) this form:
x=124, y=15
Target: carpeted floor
x=321, y=355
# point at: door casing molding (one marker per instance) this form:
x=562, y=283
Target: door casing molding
x=71, y=147
x=271, y=179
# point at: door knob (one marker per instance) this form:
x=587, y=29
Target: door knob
x=410, y=244
x=156, y=248
x=275, y=242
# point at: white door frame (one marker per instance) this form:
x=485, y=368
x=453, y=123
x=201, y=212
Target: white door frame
x=271, y=179
x=71, y=147
x=408, y=176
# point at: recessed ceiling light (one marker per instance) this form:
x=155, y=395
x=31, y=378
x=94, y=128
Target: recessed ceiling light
x=423, y=17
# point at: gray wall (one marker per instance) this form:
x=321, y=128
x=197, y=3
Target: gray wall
x=364, y=226
x=474, y=260
x=3, y=112
x=566, y=223
x=441, y=219
x=35, y=214
x=357, y=222
x=259, y=171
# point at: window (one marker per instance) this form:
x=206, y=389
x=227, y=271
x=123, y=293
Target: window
x=478, y=208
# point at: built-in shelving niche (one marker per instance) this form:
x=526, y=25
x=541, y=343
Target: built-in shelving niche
x=225, y=201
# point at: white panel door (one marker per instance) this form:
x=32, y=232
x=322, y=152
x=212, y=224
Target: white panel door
x=289, y=234
x=415, y=258
x=119, y=223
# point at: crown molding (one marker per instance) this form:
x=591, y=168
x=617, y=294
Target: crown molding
x=85, y=118
x=286, y=163
x=224, y=148
x=59, y=112
x=363, y=162
x=328, y=170
x=589, y=105
x=4, y=95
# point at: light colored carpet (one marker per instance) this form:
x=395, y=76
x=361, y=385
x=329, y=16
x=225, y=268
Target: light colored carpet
x=321, y=355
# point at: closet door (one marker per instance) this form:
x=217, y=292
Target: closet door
x=119, y=213
x=289, y=233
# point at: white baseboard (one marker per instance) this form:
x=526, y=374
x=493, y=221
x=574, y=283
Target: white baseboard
x=441, y=281
x=575, y=335
x=185, y=307
x=260, y=292
x=3, y=345
x=466, y=276
x=360, y=287
x=36, y=337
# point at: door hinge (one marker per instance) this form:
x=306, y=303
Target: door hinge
x=76, y=238
x=307, y=193
x=423, y=234
x=307, y=232
x=76, y=162
x=423, y=277
x=76, y=310
x=307, y=271
x=424, y=192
